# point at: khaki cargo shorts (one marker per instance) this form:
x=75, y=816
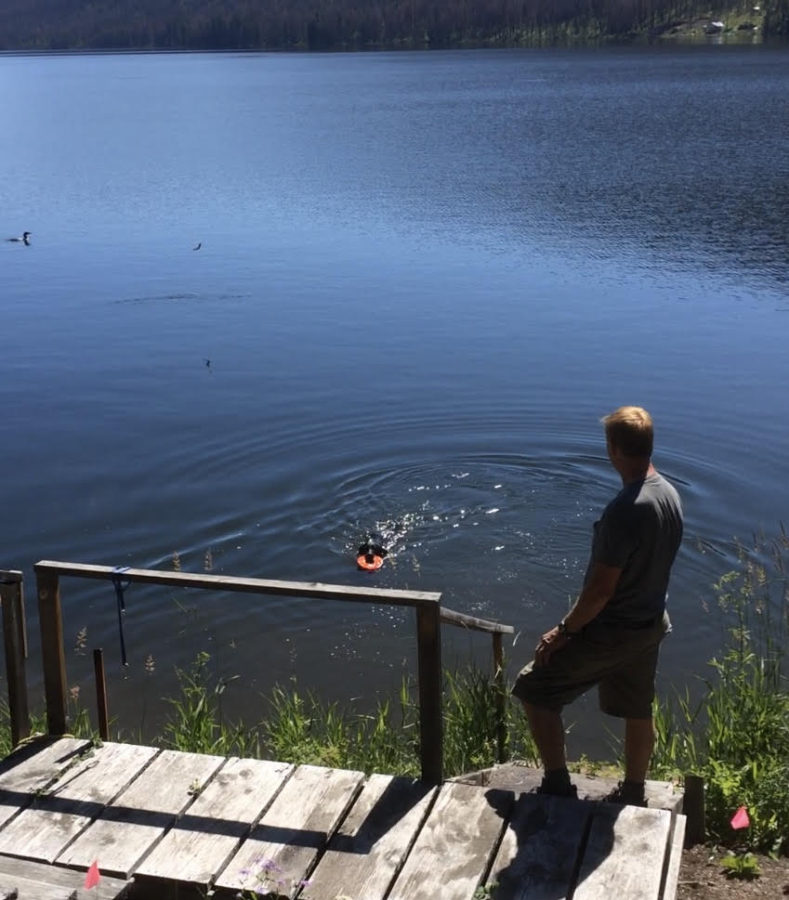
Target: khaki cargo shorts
x=621, y=661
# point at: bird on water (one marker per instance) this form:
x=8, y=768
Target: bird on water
x=25, y=239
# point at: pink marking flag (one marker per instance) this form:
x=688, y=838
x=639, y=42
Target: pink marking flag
x=93, y=876
x=740, y=819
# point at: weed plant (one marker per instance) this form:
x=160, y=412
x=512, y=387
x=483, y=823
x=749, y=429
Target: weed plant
x=196, y=723
x=301, y=728
x=80, y=725
x=737, y=736
x=740, y=865
x=265, y=879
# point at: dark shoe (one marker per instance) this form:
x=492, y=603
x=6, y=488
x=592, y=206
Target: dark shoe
x=569, y=790
x=626, y=795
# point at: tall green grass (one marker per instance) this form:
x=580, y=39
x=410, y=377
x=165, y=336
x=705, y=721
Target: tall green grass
x=196, y=722
x=78, y=715
x=736, y=736
x=300, y=727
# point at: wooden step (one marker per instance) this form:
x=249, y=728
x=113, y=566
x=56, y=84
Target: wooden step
x=526, y=779
x=24, y=880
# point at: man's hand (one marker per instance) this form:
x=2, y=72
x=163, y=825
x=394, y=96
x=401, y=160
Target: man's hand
x=550, y=642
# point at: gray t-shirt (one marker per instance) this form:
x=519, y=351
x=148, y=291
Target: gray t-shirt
x=639, y=532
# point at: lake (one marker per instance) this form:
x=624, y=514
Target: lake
x=422, y=279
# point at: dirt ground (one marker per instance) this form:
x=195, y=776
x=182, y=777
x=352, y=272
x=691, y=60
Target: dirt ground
x=702, y=878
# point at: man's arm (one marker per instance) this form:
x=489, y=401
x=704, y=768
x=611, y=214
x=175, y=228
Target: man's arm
x=597, y=591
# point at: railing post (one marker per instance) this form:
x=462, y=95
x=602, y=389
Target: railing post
x=15, y=640
x=52, y=653
x=101, y=694
x=501, y=698
x=693, y=807
x=431, y=720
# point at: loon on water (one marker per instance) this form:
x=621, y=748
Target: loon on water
x=25, y=239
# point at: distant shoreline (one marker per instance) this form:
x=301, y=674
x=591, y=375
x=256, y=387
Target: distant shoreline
x=308, y=29
x=639, y=42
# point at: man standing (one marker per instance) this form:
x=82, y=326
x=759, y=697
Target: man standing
x=610, y=637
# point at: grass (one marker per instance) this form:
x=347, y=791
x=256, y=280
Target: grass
x=737, y=735
x=79, y=718
x=196, y=723
x=301, y=728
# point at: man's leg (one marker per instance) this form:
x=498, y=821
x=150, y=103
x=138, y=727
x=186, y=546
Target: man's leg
x=544, y=690
x=639, y=743
x=628, y=694
x=547, y=729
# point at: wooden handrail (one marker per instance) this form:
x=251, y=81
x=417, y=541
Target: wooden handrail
x=450, y=617
x=429, y=616
x=385, y=596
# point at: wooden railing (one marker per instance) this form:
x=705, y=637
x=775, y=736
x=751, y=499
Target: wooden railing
x=429, y=616
x=15, y=641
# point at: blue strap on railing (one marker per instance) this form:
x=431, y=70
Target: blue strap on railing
x=120, y=587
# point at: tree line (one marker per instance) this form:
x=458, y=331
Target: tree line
x=346, y=24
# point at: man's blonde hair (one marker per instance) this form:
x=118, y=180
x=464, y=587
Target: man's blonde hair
x=630, y=430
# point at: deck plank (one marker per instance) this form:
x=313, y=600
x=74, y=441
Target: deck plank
x=373, y=841
x=539, y=850
x=675, y=858
x=205, y=838
x=32, y=768
x=624, y=854
x=294, y=829
x=451, y=855
x=139, y=816
x=54, y=819
x=184, y=822
x=38, y=881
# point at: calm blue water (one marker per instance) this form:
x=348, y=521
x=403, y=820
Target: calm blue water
x=423, y=278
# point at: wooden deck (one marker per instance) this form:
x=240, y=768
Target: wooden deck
x=164, y=824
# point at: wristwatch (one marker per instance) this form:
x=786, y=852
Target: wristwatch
x=564, y=630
